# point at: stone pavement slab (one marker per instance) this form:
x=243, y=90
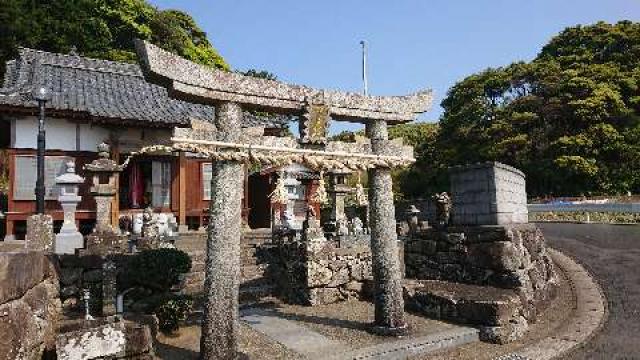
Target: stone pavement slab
x=314, y=345
x=296, y=337
x=402, y=349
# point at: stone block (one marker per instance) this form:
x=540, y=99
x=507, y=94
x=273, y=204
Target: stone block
x=106, y=341
x=499, y=256
x=19, y=272
x=39, y=235
x=27, y=324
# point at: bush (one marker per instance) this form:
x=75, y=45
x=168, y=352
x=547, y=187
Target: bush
x=172, y=312
x=158, y=269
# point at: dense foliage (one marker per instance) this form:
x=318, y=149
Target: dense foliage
x=173, y=312
x=100, y=28
x=159, y=269
x=569, y=119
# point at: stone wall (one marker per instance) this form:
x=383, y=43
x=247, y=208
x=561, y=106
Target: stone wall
x=488, y=194
x=29, y=305
x=315, y=274
x=507, y=257
x=489, y=259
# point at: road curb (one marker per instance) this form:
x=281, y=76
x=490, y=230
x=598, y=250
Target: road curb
x=589, y=317
x=583, y=222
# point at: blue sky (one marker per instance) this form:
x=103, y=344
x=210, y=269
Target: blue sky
x=413, y=44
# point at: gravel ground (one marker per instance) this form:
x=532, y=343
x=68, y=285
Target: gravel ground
x=611, y=253
x=186, y=345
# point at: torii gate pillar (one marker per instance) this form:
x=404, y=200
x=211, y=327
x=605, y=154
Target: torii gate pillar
x=222, y=281
x=387, y=275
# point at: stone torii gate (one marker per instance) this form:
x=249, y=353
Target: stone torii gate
x=230, y=147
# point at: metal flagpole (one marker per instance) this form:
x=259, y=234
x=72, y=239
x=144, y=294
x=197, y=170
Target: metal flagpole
x=364, y=67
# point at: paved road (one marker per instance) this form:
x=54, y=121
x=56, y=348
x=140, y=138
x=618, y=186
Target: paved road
x=612, y=254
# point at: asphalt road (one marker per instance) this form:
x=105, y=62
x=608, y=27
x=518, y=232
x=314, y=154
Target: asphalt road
x=611, y=253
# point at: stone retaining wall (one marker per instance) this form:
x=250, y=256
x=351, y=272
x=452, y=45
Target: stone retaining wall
x=491, y=258
x=29, y=305
x=507, y=257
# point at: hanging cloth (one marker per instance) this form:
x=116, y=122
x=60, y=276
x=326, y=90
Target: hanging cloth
x=136, y=188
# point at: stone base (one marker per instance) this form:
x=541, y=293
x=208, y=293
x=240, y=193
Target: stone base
x=102, y=339
x=67, y=243
x=105, y=243
x=390, y=331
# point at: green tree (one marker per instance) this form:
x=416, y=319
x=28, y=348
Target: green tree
x=103, y=29
x=569, y=119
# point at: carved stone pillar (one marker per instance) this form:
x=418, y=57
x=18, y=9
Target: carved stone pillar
x=220, y=327
x=389, y=304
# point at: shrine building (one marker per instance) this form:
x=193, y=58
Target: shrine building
x=94, y=101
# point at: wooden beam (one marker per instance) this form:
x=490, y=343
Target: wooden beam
x=182, y=196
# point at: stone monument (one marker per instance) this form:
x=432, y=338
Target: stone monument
x=489, y=193
x=69, y=239
x=105, y=241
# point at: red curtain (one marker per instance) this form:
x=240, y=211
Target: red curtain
x=136, y=188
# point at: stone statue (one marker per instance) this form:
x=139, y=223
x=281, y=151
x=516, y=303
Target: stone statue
x=443, y=208
x=136, y=227
x=162, y=222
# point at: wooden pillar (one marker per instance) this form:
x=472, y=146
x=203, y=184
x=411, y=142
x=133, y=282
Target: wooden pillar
x=182, y=192
x=115, y=204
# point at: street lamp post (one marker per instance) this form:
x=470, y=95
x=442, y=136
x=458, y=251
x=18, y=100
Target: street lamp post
x=41, y=96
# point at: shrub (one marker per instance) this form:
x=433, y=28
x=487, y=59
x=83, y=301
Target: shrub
x=172, y=312
x=157, y=269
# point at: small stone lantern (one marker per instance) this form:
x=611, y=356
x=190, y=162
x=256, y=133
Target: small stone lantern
x=69, y=239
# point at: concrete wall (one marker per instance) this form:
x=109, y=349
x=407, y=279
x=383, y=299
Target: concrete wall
x=488, y=194
x=29, y=305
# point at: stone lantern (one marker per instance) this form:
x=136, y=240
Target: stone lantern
x=104, y=173
x=69, y=239
x=338, y=190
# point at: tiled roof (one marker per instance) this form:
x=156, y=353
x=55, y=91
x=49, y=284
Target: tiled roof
x=103, y=91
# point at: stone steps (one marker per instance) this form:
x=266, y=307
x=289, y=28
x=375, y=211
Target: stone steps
x=497, y=312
